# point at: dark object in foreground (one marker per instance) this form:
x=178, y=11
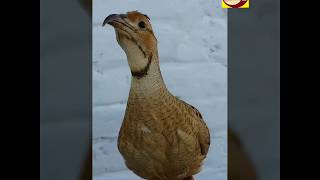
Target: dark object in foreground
x=239, y=165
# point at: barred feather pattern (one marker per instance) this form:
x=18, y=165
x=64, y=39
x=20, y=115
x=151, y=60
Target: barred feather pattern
x=161, y=137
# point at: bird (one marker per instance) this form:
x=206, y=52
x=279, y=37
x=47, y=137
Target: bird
x=236, y=151
x=161, y=137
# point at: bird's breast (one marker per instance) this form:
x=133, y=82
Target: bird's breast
x=158, y=135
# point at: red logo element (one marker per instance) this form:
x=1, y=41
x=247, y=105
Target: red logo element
x=235, y=3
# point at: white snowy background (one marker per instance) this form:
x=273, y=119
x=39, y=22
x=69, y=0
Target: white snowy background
x=192, y=37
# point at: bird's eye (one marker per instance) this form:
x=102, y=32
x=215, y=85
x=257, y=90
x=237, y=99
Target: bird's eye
x=142, y=24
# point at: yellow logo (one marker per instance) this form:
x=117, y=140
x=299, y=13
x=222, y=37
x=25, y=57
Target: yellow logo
x=235, y=4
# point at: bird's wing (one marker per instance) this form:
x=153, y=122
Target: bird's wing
x=204, y=134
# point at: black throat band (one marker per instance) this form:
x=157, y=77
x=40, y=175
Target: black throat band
x=144, y=71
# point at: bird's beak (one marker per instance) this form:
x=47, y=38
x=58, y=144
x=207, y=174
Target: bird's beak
x=112, y=18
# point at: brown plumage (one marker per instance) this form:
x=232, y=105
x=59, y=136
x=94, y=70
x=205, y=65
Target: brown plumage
x=161, y=137
x=236, y=170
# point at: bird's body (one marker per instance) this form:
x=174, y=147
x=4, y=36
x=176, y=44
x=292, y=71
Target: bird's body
x=161, y=137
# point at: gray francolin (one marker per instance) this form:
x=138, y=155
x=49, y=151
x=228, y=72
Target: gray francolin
x=161, y=137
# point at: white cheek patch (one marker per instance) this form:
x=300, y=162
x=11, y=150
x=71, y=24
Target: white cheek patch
x=136, y=59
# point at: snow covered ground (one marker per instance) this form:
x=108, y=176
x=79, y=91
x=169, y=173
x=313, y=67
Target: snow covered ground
x=192, y=39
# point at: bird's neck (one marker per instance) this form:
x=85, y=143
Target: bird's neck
x=150, y=84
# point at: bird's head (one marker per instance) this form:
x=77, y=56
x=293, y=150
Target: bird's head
x=135, y=36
